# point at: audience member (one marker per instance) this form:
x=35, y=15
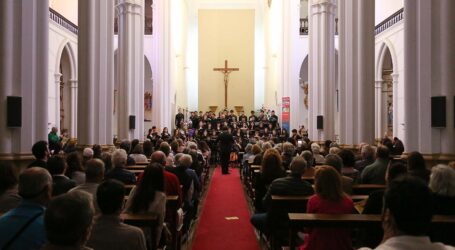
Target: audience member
x=97, y=151
x=348, y=158
x=126, y=145
x=276, y=222
x=375, y=173
x=75, y=170
x=417, y=166
x=35, y=188
x=398, y=146
x=109, y=232
x=336, y=162
x=87, y=154
x=9, y=193
x=316, y=150
x=40, y=151
x=407, y=215
x=372, y=236
x=271, y=169
x=61, y=183
x=442, y=183
x=68, y=221
x=367, y=153
x=287, y=155
x=309, y=171
x=107, y=159
x=119, y=159
x=138, y=154
x=147, y=146
x=148, y=197
x=329, y=199
x=94, y=172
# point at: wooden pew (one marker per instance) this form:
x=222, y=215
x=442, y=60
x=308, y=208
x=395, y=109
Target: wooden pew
x=171, y=207
x=143, y=163
x=142, y=220
x=366, y=189
x=136, y=167
x=300, y=220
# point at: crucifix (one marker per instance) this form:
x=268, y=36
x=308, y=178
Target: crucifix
x=226, y=71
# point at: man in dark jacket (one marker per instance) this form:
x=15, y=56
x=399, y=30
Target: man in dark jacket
x=225, y=141
x=292, y=185
x=61, y=184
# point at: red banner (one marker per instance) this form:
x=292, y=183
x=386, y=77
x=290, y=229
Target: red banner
x=285, y=112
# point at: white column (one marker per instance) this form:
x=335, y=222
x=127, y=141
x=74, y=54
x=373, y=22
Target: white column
x=57, y=103
x=95, y=72
x=396, y=113
x=357, y=85
x=73, y=128
x=24, y=48
x=378, y=109
x=162, y=98
x=322, y=68
x=130, y=68
x=429, y=59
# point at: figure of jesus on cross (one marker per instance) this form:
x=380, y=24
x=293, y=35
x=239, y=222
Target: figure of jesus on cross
x=226, y=71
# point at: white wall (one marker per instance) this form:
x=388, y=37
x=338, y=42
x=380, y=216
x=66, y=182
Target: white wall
x=59, y=37
x=67, y=8
x=385, y=8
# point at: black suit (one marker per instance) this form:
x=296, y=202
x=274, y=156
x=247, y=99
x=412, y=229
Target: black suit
x=225, y=141
x=61, y=184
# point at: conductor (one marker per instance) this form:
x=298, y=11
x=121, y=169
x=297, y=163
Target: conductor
x=225, y=141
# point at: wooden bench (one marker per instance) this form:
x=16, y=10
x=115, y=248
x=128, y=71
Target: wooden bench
x=142, y=220
x=143, y=163
x=366, y=189
x=300, y=220
x=136, y=167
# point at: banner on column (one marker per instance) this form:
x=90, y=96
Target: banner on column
x=285, y=113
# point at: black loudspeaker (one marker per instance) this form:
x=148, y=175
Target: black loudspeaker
x=320, y=122
x=438, y=111
x=13, y=111
x=132, y=122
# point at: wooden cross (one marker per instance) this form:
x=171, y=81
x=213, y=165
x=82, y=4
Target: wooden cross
x=226, y=71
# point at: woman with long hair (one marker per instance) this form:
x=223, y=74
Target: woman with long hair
x=271, y=169
x=148, y=197
x=329, y=199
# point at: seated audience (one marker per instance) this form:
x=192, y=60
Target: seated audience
x=407, y=216
x=271, y=169
x=316, y=149
x=107, y=160
x=68, y=221
x=287, y=155
x=94, y=171
x=138, y=154
x=367, y=153
x=310, y=169
x=417, y=166
x=148, y=197
x=147, y=146
x=375, y=173
x=336, y=162
x=348, y=158
x=126, y=145
x=87, y=154
x=276, y=221
x=97, y=151
x=61, y=183
x=40, y=151
x=109, y=232
x=75, y=170
x=398, y=146
x=329, y=199
x=256, y=159
x=372, y=236
x=119, y=160
x=442, y=183
x=9, y=193
x=35, y=188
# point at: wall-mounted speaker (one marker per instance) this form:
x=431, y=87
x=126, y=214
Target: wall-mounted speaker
x=438, y=111
x=320, y=122
x=132, y=122
x=13, y=111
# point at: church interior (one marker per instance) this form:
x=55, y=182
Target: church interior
x=227, y=124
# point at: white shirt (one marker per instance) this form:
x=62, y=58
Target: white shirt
x=411, y=242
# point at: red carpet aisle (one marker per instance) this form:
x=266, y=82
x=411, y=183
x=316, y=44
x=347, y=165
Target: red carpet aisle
x=225, y=219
